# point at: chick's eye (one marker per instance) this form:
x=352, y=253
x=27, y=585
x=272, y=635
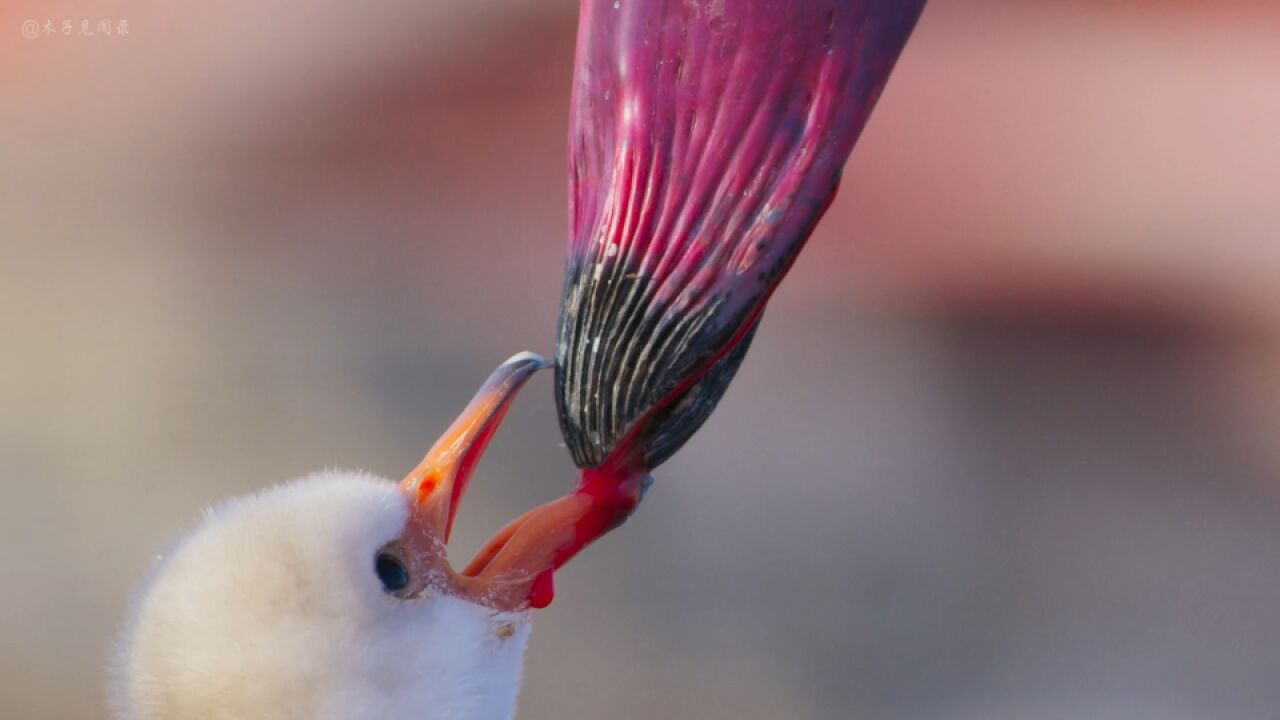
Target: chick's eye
x=391, y=572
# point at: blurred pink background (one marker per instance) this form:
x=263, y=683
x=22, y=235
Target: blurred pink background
x=1005, y=446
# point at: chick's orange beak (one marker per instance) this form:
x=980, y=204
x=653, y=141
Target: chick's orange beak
x=513, y=570
x=440, y=480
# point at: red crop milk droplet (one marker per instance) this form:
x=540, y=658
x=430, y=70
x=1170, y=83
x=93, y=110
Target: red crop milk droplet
x=543, y=591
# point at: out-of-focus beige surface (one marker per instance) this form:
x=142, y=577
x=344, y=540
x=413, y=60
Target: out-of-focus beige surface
x=1004, y=447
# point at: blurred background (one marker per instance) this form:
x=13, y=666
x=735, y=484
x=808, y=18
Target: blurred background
x=1005, y=447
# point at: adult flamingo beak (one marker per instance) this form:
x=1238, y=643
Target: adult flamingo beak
x=706, y=141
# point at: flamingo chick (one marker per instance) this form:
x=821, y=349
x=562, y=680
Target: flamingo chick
x=332, y=597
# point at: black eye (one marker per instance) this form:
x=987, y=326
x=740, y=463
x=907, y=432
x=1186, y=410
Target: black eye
x=391, y=572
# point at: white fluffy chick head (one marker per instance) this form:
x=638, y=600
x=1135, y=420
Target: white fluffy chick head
x=332, y=597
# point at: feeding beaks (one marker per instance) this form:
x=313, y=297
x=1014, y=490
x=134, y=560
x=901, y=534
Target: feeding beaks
x=513, y=571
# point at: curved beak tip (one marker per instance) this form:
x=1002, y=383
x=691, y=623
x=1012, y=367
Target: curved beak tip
x=527, y=358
